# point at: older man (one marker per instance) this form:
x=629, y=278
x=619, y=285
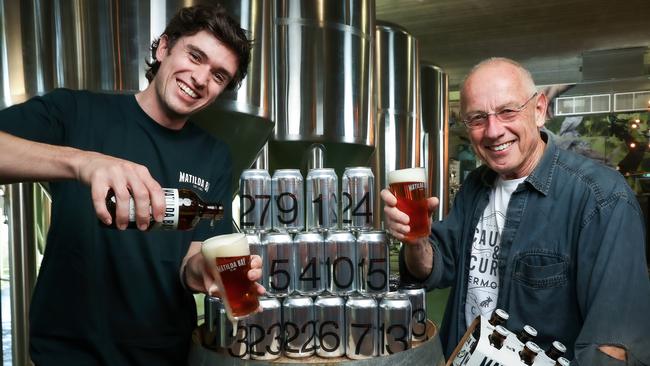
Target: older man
x=553, y=238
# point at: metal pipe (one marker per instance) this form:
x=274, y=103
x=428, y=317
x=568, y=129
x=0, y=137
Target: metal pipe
x=22, y=266
x=316, y=155
x=262, y=160
x=435, y=107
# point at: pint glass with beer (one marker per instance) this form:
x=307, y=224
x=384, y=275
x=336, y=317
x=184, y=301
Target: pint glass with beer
x=408, y=186
x=231, y=256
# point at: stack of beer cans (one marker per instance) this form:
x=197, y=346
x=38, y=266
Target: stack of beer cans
x=325, y=271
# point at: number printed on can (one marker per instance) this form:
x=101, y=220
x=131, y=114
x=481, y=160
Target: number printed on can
x=255, y=200
x=288, y=196
x=357, y=198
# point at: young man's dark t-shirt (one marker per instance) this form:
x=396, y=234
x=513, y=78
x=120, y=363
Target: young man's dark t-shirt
x=105, y=296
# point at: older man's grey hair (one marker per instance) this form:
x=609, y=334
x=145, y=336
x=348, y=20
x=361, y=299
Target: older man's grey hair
x=527, y=78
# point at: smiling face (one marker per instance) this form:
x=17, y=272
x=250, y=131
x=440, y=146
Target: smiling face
x=192, y=73
x=512, y=149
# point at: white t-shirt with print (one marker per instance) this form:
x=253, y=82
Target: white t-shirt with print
x=483, y=279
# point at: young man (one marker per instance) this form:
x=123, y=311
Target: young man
x=553, y=238
x=123, y=297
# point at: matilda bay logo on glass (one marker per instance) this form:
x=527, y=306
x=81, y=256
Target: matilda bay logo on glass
x=197, y=182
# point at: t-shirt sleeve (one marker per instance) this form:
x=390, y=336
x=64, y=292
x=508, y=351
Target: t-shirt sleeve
x=42, y=119
x=219, y=191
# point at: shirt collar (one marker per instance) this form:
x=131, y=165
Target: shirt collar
x=542, y=175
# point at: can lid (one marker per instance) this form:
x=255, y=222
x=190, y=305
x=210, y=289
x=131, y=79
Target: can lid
x=339, y=234
x=269, y=302
x=372, y=235
x=559, y=346
x=286, y=170
x=395, y=295
x=320, y=170
x=410, y=286
x=533, y=347
x=308, y=235
x=530, y=330
x=329, y=299
x=253, y=238
x=276, y=237
x=361, y=299
x=254, y=172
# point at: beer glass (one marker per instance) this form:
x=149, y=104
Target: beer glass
x=231, y=256
x=408, y=186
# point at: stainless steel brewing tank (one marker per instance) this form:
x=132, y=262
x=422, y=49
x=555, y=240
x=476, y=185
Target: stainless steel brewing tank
x=323, y=57
x=397, y=77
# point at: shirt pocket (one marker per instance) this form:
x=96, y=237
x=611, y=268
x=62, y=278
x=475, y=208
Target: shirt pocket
x=541, y=269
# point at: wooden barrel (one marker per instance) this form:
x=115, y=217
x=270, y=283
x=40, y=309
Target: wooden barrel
x=422, y=353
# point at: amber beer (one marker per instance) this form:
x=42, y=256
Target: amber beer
x=408, y=186
x=231, y=255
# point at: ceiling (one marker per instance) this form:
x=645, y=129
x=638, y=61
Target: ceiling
x=549, y=37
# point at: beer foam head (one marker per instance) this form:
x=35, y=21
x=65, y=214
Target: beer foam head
x=229, y=245
x=406, y=175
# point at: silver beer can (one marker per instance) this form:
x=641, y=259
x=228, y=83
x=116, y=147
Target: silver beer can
x=362, y=330
x=255, y=201
x=278, y=264
x=256, y=247
x=219, y=336
x=265, y=330
x=394, y=323
x=357, y=198
x=340, y=262
x=299, y=326
x=308, y=275
x=372, y=271
x=417, y=296
x=239, y=347
x=288, y=200
x=322, y=199
x=330, y=338
x=218, y=327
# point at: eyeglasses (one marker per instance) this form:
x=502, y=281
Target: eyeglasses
x=479, y=120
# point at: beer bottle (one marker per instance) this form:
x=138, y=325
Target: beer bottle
x=498, y=336
x=183, y=210
x=528, y=333
x=561, y=361
x=499, y=317
x=556, y=350
x=529, y=353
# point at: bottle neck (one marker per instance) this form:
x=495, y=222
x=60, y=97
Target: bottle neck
x=211, y=211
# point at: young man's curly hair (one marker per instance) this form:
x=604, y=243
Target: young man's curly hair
x=214, y=19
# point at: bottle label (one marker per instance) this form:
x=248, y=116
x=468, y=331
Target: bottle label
x=171, y=214
x=172, y=208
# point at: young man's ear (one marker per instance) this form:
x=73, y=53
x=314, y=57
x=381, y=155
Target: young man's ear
x=163, y=48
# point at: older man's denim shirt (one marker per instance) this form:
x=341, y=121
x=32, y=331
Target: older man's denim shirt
x=571, y=260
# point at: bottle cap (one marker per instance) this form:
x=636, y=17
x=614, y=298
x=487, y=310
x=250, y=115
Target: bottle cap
x=530, y=330
x=533, y=347
x=502, y=330
x=502, y=314
x=559, y=346
x=562, y=361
